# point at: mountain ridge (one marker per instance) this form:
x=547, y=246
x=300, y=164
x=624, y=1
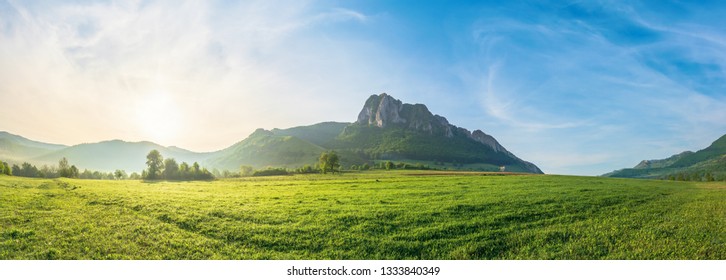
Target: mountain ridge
x=385, y=129
x=705, y=164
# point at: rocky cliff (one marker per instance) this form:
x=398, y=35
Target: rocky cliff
x=384, y=111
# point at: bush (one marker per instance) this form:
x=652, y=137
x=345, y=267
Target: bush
x=271, y=172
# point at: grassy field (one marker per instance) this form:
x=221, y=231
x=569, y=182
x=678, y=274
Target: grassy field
x=372, y=215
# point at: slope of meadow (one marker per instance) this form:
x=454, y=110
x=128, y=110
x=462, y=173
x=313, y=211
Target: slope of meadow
x=372, y=215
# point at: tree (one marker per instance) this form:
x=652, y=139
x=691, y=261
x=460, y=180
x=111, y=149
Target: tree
x=120, y=174
x=155, y=162
x=389, y=165
x=245, y=170
x=195, y=170
x=184, y=171
x=329, y=161
x=63, y=169
x=5, y=169
x=171, y=169
x=709, y=177
x=26, y=170
x=73, y=172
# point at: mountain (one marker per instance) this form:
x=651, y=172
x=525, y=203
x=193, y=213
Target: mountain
x=386, y=129
x=709, y=163
x=389, y=129
x=16, y=148
x=265, y=148
x=108, y=156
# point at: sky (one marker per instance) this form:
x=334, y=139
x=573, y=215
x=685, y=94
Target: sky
x=581, y=87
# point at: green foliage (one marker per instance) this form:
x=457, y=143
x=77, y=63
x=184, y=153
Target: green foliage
x=64, y=170
x=368, y=215
x=155, y=163
x=329, y=162
x=308, y=169
x=96, y=175
x=246, y=170
x=160, y=169
x=120, y=174
x=26, y=170
x=393, y=143
x=271, y=172
x=171, y=170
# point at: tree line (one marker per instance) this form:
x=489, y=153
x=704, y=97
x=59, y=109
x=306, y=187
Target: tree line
x=698, y=176
x=159, y=168
x=328, y=162
x=63, y=169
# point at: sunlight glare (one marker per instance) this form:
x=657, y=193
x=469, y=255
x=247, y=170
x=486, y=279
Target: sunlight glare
x=158, y=117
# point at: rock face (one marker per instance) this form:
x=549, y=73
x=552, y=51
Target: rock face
x=381, y=110
x=384, y=111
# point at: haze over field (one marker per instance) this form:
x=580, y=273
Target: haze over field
x=575, y=88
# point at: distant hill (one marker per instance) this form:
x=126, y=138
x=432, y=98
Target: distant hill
x=386, y=129
x=116, y=154
x=709, y=163
x=16, y=148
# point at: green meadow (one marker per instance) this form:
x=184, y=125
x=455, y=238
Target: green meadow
x=368, y=215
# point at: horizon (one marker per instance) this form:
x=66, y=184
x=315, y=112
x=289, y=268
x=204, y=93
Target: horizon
x=575, y=88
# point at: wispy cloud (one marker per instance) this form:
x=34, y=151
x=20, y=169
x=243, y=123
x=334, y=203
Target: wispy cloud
x=591, y=66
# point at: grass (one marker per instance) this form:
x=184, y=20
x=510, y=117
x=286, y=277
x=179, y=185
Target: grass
x=370, y=215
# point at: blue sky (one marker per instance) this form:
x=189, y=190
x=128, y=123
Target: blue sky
x=575, y=87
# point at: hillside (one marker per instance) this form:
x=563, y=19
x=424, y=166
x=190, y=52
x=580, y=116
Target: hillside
x=321, y=134
x=264, y=148
x=16, y=148
x=706, y=164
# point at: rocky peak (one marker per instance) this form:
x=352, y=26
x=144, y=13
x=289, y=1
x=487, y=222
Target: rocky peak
x=381, y=110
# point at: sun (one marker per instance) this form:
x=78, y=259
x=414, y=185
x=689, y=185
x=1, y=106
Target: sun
x=158, y=117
